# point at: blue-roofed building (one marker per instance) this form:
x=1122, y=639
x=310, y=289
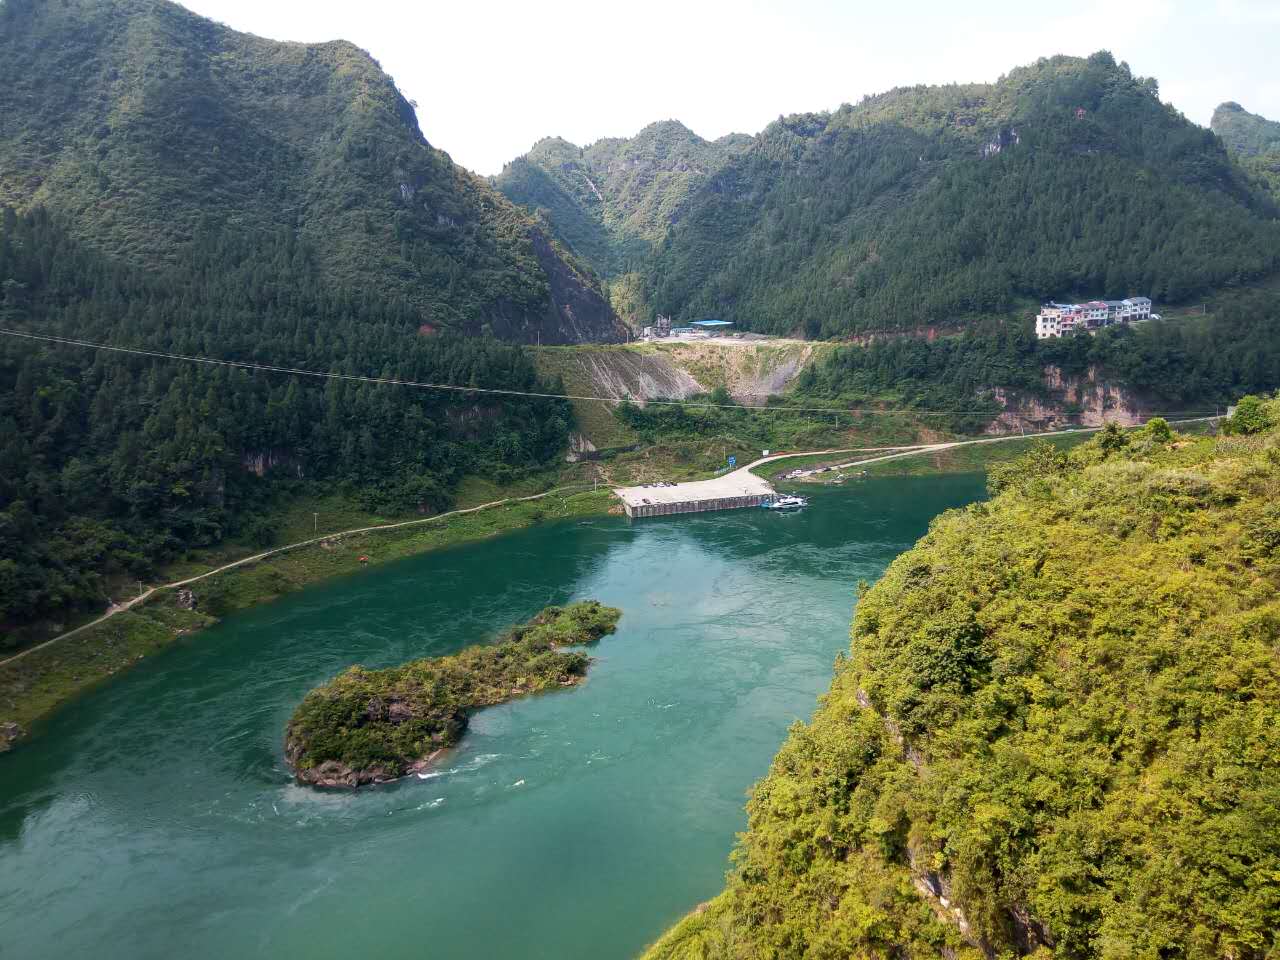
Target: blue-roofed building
x=712, y=324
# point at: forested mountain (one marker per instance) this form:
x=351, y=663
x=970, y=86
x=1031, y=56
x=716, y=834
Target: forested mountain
x=139, y=122
x=1246, y=133
x=1056, y=734
x=1255, y=139
x=169, y=184
x=614, y=200
x=933, y=205
x=939, y=205
x=114, y=464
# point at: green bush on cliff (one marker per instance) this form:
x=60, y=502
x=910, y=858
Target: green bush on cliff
x=376, y=723
x=1057, y=734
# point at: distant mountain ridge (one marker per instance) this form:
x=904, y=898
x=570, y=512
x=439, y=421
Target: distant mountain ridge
x=932, y=206
x=140, y=122
x=1254, y=139
x=614, y=200
x=1246, y=133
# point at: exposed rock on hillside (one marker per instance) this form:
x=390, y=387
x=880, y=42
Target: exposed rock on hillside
x=576, y=311
x=629, y=374
x=10, y=733
x=1087, y=401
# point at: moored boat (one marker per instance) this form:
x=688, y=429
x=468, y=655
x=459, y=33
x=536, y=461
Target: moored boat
x=788, y=502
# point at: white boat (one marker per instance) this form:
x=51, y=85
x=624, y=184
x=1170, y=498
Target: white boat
x=786, y=503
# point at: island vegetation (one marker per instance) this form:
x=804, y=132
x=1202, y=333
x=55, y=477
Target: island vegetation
x=371, y=726
x=1057, y=733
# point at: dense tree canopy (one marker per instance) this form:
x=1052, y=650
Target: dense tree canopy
x=614, y=200
x=114, y=463
x=137, y=120
x=1254, y=139
x=923, y=206
x=1057, y=733
x=1246, y=133
x=1185, y=365
x=935, y=205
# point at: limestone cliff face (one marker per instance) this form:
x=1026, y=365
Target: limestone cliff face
x=263, y=461
x=1087, y=401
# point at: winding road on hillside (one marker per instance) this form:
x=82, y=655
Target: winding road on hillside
x=898, y=452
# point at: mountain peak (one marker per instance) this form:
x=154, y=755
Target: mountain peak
x=141, y=121
x=1247, y=134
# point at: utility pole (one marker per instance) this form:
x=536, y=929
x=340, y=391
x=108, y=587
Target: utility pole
x=315, y=523
x=139, y=588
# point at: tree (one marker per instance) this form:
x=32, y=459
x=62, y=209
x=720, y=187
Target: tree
x=1251, y=416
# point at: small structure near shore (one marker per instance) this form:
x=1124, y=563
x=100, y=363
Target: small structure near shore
x=741, y=488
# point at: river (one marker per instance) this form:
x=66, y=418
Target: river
x=154, y=817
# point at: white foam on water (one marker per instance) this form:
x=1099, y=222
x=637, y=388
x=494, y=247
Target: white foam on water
x=480, y=760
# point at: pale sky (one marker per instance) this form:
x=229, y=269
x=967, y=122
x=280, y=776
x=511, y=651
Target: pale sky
x=491, y=78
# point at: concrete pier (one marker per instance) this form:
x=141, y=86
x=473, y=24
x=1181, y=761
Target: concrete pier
x=730, y=492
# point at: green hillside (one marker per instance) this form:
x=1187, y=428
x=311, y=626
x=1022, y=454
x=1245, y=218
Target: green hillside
x=1255, y=139
x=938, y=205
x=139, y=124
x=1056, y=735
x=614, y=200
x=115, y=465
x=1244, y=132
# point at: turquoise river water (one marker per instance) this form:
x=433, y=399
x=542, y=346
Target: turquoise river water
x=154, y=818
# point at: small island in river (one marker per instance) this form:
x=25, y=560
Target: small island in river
x=371, y=726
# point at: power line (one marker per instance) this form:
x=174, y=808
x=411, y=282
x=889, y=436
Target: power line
x=454, y=388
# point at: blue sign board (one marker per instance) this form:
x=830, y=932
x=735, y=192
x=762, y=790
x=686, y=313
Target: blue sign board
x=733, y=461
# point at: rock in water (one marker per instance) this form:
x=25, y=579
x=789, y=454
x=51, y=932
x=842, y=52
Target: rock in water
x=9, y=735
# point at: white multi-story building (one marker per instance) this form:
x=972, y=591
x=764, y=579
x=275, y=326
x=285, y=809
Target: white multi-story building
x=1059, y=319
x=1135, y=308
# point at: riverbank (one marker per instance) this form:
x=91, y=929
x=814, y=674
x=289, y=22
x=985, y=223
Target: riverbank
x=43, y=679
x=586, y=819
